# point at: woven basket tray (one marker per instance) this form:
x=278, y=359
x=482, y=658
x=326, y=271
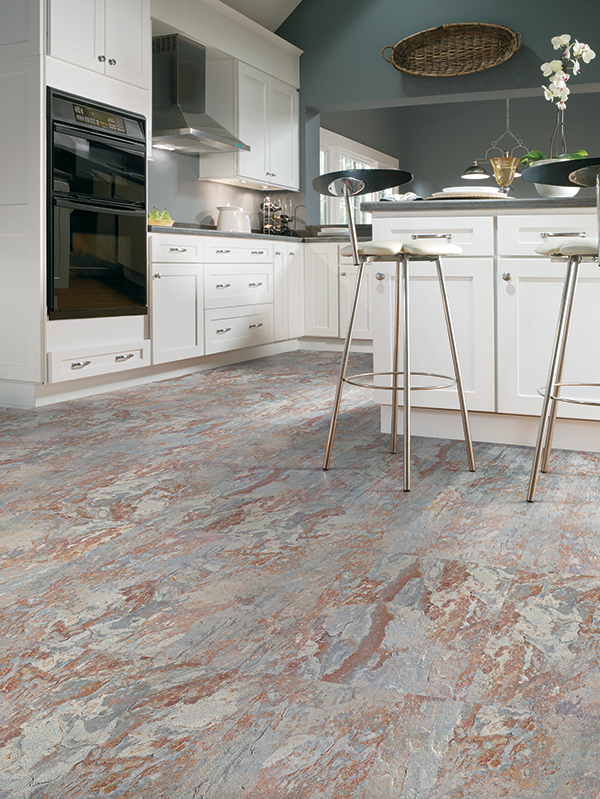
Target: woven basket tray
x=456, y=49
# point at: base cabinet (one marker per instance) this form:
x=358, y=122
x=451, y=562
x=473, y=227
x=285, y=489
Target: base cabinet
x=470, y=286
x=176, y=297
x=330, y=280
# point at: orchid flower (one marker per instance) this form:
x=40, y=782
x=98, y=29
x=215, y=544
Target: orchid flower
x=557, y=92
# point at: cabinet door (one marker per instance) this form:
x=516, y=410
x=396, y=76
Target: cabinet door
x=363, y=323
x=177, y=312
x=128, y=41
x=470, y=284
x=76, y=32
x=321, y=290
x=283, y=134
x=253, y=87
x=295, y=290
x=280, y=305
x=529, y=293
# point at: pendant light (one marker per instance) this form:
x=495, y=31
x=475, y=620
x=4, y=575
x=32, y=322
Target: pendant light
x=476, y=172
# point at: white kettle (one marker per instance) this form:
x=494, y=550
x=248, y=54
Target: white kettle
x=229, y=218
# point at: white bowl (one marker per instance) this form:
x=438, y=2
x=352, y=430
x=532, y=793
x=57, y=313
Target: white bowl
x=550, y=192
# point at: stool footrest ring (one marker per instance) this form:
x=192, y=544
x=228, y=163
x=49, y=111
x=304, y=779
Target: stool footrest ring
x=573, y=400
x=357, y=380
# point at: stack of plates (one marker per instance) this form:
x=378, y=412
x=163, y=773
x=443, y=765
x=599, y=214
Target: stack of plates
x=469, y=193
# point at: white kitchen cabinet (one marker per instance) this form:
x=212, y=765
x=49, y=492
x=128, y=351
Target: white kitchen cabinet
x=470, y=285
x=321, y=290
x=176, y=297
x=288, y=292
x=262, y=111
x=84, y=361
x=111, y=37
x=239, y=293
x=329, y=288
x=529, y=292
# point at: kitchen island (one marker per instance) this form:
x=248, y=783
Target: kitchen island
x=504, y=299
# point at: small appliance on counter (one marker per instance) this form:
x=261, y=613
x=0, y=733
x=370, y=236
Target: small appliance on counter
x=233, y=219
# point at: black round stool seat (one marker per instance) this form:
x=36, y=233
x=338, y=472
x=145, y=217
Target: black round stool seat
x=557, y=173
x=372, y=179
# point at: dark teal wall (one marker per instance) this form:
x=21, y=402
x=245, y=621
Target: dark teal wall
x=431, y=124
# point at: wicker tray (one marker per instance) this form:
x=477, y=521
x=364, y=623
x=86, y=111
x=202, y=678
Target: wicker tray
x=456, y=49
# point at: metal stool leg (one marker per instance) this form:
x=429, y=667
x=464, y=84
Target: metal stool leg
x=395, y=365
x=406, y=372
x=560, y=341
x=343, y=368
x=457, y=374
x=559, y=371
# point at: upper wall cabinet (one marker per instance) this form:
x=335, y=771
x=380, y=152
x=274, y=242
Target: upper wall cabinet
x=111, y=37
x=263, y=112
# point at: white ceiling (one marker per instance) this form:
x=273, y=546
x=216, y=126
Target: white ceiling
x=268, y=13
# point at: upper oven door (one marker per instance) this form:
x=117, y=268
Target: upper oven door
x=86, y=164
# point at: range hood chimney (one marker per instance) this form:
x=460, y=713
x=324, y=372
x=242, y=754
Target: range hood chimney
x=179, y=118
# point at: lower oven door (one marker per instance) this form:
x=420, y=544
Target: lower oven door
x=97, y=260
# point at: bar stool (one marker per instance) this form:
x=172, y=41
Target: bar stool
x=575, y=248
x=348, y=184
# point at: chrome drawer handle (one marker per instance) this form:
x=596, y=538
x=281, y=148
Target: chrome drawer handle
x=447, y=236
x=80, y=364
x=223, y=285
x=127, y=357
x=254, y=285
x=224, y=252
x=258, y=324
x=223, y=330
x=559, y=235
x=258, y=252
x=178, y=249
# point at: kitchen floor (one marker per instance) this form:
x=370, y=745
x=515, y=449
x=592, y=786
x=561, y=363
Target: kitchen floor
x=193, y=609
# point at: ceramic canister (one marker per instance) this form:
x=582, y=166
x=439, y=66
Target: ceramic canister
x=229, y=219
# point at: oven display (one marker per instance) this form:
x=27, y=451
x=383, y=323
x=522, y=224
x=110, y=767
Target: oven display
x=99, y=119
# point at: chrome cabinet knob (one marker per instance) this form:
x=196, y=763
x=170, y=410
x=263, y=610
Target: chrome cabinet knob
x=157, y=275
x=506, y=276
x=112, y=61
x=379, y=276
x=101, y=58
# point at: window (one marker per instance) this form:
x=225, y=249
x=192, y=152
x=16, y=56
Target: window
x=337, y=152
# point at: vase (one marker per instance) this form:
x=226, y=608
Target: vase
x=557, y=140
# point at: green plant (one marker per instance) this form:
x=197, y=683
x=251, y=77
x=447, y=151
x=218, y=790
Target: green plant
x=536, y=155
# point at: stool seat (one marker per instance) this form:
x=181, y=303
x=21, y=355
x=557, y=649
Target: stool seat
x=587, y=246
x=389, y=247
x=396, y=247
x=569, y=246
x=432, y=247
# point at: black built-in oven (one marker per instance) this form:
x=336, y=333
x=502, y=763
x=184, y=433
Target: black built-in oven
x=97, y=224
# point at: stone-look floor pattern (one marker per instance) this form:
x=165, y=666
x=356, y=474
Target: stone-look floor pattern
x=191, y=608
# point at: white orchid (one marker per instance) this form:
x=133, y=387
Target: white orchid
x=551, y=66
x=558, y=92
x=558, y=42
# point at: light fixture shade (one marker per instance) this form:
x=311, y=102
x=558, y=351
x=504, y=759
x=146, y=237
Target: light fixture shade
x=475, y=172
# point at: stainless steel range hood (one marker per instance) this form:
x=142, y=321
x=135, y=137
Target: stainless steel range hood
x=179, y=118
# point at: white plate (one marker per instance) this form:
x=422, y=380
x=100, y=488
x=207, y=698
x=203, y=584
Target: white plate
x=472, y=190
x=441, y=195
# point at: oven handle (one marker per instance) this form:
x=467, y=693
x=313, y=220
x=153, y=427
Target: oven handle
x=105, y=208
x=124, y=145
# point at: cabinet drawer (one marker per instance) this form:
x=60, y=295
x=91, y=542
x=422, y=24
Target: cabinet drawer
x=92, y=361
x=233, y=328
x=474, y=234
x=169, y=248
x=239, y=251
x=229, y=286
x=520, y=235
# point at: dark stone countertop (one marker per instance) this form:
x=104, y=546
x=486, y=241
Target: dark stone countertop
x=490, y=206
